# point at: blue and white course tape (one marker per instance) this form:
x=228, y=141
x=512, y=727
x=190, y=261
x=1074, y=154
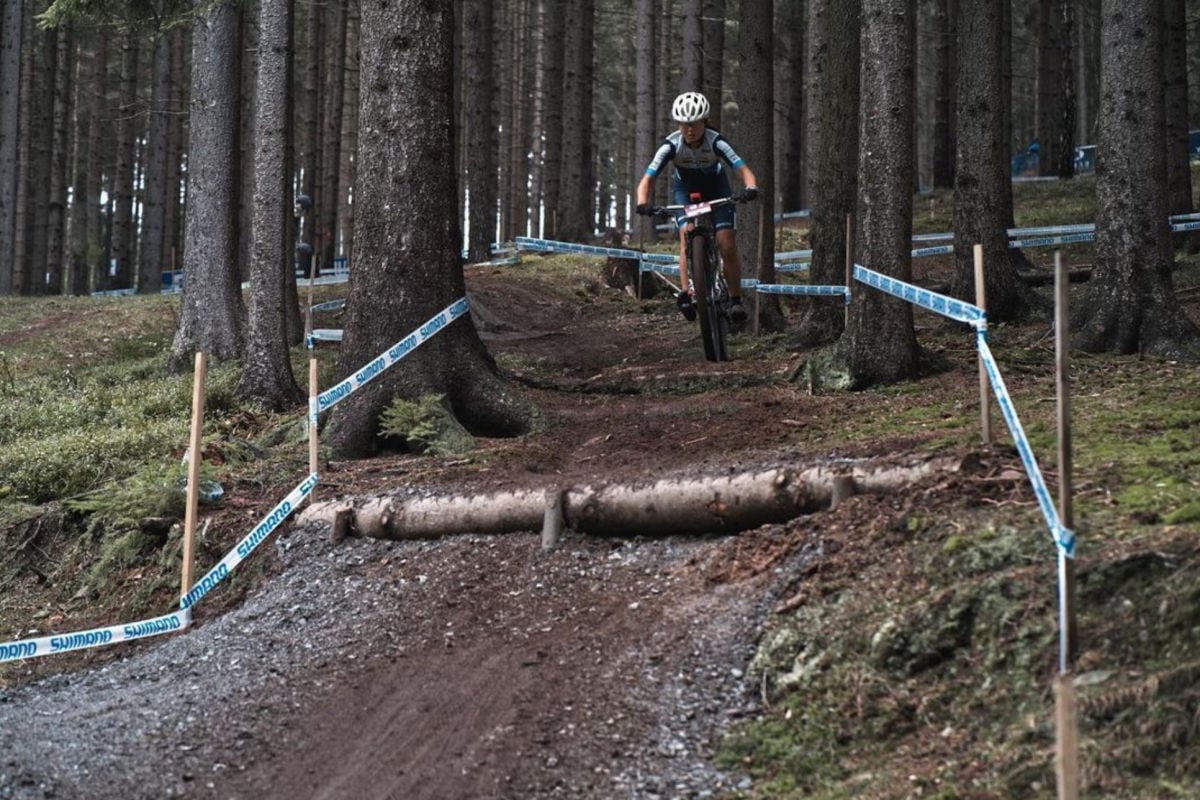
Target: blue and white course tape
x=96, y=637
x=938, y=303
x=335, y=394
x=250, y=541
x=1063, y=537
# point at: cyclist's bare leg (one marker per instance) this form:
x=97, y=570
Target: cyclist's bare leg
x=683, y=275
x=731, y=260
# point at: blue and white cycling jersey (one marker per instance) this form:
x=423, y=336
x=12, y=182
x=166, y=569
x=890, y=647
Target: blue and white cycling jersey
x=697, y=169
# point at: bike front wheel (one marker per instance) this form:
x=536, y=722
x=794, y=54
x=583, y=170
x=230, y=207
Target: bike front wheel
x=714, y=328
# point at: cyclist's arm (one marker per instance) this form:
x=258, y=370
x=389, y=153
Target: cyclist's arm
x=643, y=189
x=747, y=177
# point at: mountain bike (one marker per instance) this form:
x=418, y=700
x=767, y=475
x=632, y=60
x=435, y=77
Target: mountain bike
x=704, y=271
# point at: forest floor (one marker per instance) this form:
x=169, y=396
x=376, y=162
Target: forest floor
x=488, y=667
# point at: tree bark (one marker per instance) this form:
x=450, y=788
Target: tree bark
x=267, y=369
x=1175, y=87
x=981, y=172
x=210, y=314
x=713, y=74
x=349, y=168
x=10, y=98
x=879, y=344
x=691, y=41
x=832, y=155
x=576, y=222
x=478, y=30
x=946, y=49
x=172, y=252
x=552, y=170
x=1130, y=306
x=789, y=118
x=156, y=189
x=60, y=133
x=718, y=504
x=326, y=203
x=307, y=122
x=646, y=115
x=128, y=127
x=756, y=135
x=1051, y=53
x=44, y=56
x=406, y=274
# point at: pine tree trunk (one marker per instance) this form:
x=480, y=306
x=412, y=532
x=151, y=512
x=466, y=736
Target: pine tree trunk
x=210, y=314
x=691, y=46
x=576, y=222
x=755, y=143
x=646, y=115
x=97, y=267
x=1130, y=305
x=308, y=124
x=172, y=252
x=21, y=195
x=1175, y=81
x=331, y=135
x=408, y=135
x=56, y=220
x=41, y=116
x=85, y=193
x=789, y=119
x=478, y=30
x=156, y=189
x=10, y=103
x=944, y=110
x=552, y=167
x=879, y=344
x=124, y=233
x=1051, y=51
x=519, y=130
x=1065, y=152
x=244, y=176
x=537, y=128
x=349, y=166
x=713, y=74
x=981, y=172
x=266, y=369
x=832, y=156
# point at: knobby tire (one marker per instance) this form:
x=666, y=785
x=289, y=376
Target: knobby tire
x=712, y=322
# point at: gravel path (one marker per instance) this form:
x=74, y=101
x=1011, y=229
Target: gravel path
x=466, y=667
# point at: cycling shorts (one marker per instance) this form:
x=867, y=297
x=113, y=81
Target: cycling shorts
x=717, y=186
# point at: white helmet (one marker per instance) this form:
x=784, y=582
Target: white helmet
x=689, y=107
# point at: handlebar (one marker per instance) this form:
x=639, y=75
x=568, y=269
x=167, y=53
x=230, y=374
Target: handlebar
x=697, y=209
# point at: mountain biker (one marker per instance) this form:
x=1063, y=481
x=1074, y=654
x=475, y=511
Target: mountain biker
x=697, y=152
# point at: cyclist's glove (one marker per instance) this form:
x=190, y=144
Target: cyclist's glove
x=749, y=193
x=645, y=209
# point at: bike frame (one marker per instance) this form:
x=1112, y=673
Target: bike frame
x=707, y=276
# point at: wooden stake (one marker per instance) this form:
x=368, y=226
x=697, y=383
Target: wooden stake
x=1067, y=758
x=985, y=408
x=193, y=475
x=1068, y=735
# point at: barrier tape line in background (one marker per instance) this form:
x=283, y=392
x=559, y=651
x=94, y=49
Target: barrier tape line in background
x=335, y=394
x=938, y=303
x=1063, y=537
x=96, y=637
x=249, y=542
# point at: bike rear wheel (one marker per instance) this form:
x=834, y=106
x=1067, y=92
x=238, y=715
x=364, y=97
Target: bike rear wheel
x=713, y=325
